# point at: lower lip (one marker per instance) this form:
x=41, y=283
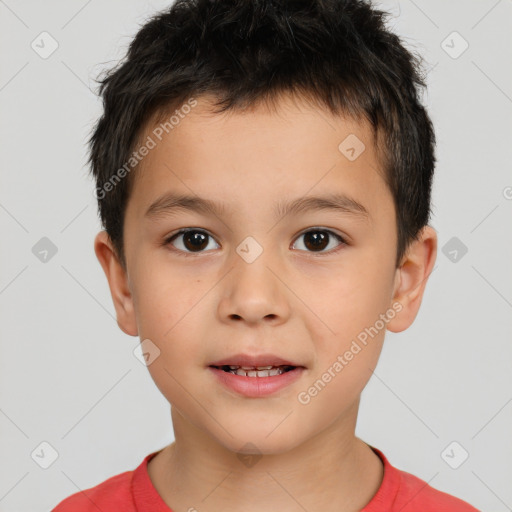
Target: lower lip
x=255, y=387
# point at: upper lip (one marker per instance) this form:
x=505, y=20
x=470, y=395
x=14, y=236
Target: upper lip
x=253, y=361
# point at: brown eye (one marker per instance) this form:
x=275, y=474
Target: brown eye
x=316, y=240
x=191, y=240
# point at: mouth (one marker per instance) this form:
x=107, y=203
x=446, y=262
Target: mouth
x=259, y=362
x=258, y=376
x=255, y=371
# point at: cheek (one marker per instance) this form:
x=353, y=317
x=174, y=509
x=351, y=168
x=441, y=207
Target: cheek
x=350, y=300
x=343, y=369
x=167, y=313
x=165, y=302
x=353, y=305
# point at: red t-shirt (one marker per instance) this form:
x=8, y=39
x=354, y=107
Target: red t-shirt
x=133, y=491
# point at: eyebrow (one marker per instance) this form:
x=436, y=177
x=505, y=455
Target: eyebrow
x=170, y=202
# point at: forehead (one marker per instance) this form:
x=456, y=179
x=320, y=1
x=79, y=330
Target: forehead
x=257, y=155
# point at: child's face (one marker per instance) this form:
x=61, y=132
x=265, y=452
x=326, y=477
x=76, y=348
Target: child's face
x=304, y=302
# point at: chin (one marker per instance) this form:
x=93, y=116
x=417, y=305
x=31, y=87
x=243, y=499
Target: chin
x=258, y=442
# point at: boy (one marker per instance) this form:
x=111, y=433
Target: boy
x=264, y=174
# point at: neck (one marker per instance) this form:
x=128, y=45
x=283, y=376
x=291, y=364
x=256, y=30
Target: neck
x=333, y=471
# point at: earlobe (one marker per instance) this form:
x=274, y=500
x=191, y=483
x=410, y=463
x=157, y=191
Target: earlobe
x=411, y=278
x=118, y=283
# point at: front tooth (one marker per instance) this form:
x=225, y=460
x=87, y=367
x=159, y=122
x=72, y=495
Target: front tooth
x=258, y=374
x=254, y=367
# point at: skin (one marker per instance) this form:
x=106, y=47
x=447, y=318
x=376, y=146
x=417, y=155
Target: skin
x=301, y=304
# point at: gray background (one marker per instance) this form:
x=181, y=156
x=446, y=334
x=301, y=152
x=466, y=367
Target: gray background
x=68, y=374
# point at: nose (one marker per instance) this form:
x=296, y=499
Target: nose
x=254, y=293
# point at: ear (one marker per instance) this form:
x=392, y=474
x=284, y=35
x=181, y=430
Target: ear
x=118, y=283
x=411, y=278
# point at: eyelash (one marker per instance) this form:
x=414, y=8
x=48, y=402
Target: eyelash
x=169, y=239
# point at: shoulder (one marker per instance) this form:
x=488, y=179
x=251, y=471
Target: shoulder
x=107, y=495
x=415, y=493
x=401, y=491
